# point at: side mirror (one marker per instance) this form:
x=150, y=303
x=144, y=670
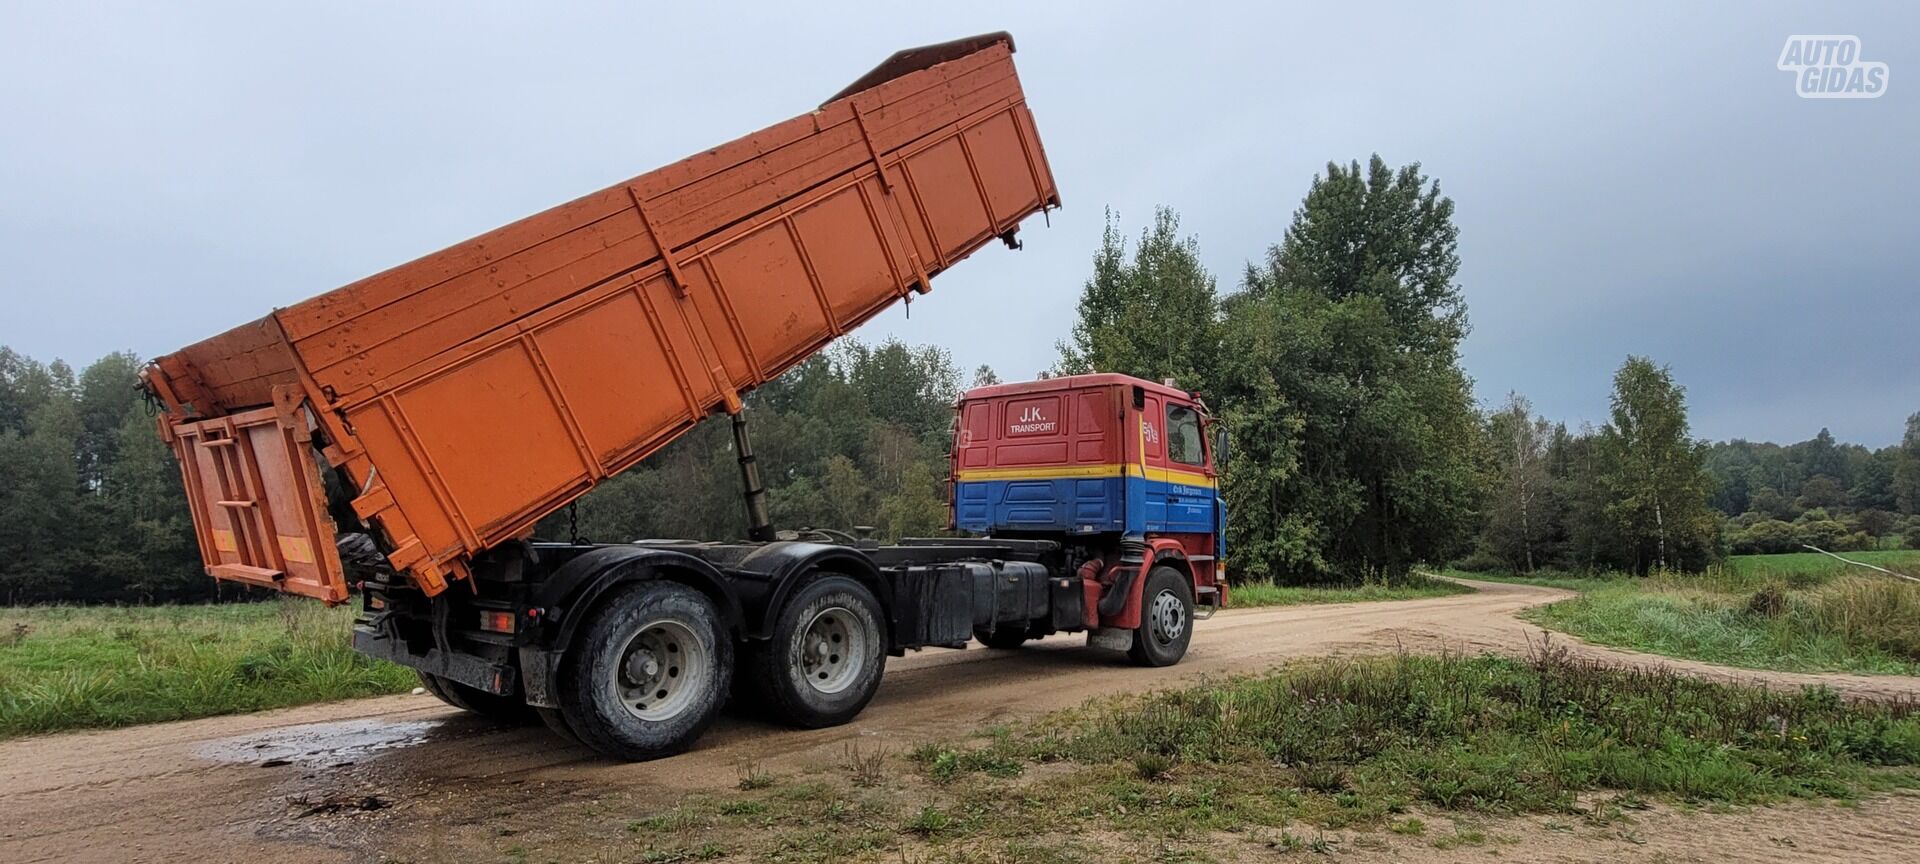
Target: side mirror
x=1220, y=446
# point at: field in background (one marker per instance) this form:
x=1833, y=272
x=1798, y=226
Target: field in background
x=1816, y=565
x=66, y=667
x=1800, y=612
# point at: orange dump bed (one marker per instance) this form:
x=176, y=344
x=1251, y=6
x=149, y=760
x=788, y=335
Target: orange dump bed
x=469, y=393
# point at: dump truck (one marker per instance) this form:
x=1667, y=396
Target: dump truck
x=401, y=436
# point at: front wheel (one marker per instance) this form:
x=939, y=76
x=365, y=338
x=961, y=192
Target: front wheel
x=649, y=672
x=1166, y=619
x=824, y=662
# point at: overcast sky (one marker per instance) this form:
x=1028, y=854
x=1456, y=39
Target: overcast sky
x=1630, y=179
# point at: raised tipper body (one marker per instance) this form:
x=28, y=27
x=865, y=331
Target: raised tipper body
x=469, y=393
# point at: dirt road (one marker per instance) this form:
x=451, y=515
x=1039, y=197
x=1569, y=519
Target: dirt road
x=408, y=777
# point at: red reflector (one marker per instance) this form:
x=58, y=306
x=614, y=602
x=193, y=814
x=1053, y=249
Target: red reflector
x=496, y=621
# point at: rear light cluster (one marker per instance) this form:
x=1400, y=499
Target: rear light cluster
x=497, y=621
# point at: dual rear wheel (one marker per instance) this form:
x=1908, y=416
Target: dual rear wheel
x=656, y=664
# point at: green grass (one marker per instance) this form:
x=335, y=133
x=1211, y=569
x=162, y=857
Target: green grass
x=1800, y=612
x=1498, y=735
x=1279, y=760
x=64, y=667
x=1251, y=594
x=1855, y=624
x=1816, y=565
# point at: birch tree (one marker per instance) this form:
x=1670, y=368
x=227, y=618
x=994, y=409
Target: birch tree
x=1654, y=471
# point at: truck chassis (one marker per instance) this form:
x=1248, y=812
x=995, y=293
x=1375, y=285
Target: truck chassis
x=634, y=648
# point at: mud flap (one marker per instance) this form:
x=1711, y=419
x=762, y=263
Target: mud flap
x=1110, y=638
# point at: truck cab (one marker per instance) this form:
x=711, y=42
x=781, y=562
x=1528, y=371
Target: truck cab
x=1102, y=464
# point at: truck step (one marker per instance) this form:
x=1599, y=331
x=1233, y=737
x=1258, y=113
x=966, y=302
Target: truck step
x=1206, y=601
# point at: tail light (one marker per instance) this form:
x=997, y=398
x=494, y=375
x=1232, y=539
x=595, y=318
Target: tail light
x=496, y=621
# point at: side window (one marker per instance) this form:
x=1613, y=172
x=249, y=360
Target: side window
x=1183, y=435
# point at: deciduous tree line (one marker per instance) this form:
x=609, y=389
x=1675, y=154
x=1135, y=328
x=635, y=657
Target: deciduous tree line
x=1335, y=364
x=91, y=508
x=1819, y=492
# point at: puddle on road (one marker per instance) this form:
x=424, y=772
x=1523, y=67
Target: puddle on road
x=319, y=744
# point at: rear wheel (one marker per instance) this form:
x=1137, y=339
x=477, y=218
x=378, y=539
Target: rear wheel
x=510, y=710
x=824, y=661
x=557, y=724
x=1166, y=619
x=648, y=673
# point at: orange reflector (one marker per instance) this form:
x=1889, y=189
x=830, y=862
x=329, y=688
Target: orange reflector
x=375, y=601
x=496, y=621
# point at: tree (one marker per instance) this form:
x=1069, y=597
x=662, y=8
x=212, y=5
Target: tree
x=1654, y=472
x=107, y=392
x=1821, y=456
x=1822, y=490
x=1341, y=368
x=148, y=534
x=1873, y=485
x=1906, y=471
x=1771, y=502
x=41, y=540
x=853, y=436
x=1521, y=512
x=1154, y=315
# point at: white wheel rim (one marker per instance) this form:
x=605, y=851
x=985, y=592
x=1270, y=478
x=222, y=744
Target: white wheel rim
x=661, y=671
x=832, y=653
x=1169, y=617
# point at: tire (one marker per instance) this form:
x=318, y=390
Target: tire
x=648, y=673
x=1006, y=637
x=1166, y=619
x=825, y=658
x=507, y=710
x=557, y=724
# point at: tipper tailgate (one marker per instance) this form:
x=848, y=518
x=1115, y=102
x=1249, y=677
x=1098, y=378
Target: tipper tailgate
x=466, y=395
x=254, y=488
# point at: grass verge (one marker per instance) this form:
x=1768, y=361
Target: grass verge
x=1411, y=587
x=64, y=667
x=1794, y=612
x=1852, y=624
x=1309, y=757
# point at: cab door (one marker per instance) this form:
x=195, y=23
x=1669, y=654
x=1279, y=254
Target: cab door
x=1180, y=486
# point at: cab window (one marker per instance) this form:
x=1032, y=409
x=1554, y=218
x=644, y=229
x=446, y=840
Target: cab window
x=1183, y=435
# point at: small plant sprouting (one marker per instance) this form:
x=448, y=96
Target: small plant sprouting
x=1152, y=766
x=929, y=821
x=1323, y=778
x=752, y=776
x=867, y=769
